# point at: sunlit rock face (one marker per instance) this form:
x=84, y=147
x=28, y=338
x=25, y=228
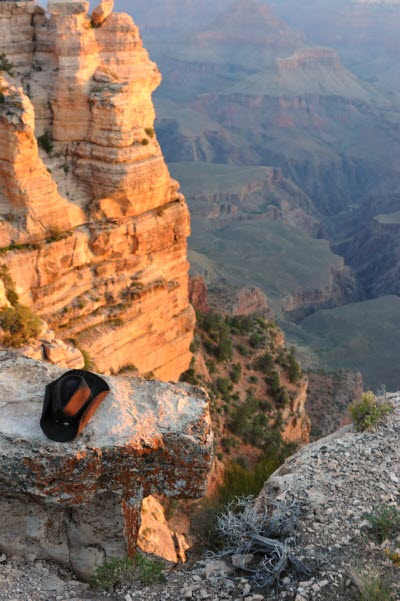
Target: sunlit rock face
x=95, y=226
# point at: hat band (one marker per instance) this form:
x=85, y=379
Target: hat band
x=76, y=402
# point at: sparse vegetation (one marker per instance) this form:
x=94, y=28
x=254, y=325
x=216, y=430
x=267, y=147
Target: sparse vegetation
x=385, y=523
x=9, y=285
x=372, y=586
x=240, y=350
x=45, y=141
x=54, y=234
x=6, y=249
x=293, y=366
x=129, y=368
x=6, y=65
x=245, y=528
x=20, y=324
x=88, y=363
x=150, y=132
x=124, y=571
x=145, y=142
x=368, y=413
x=394, y=557
x=189, y=375
x=236, y=373
x=238, y=482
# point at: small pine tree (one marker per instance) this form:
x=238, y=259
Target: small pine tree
x=224, y=350
x=294, y=369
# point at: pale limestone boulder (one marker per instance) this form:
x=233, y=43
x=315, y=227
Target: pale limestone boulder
x=33, y=350
x=64, y=355
x=80, y=502
x=67, y=7
x=101, y=12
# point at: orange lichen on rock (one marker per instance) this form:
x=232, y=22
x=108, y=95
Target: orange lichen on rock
x=146, y=437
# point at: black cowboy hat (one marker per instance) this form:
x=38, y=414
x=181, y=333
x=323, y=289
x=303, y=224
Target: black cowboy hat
x=70, y=402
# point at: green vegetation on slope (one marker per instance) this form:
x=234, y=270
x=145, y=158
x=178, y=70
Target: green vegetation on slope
x=19, y=323
x=360, y=336
x=252, y=378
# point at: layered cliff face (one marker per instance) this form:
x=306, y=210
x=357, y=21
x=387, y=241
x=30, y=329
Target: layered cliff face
x=92, y=227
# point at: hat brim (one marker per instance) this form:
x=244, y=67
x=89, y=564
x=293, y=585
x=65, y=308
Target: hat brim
x=67, y=430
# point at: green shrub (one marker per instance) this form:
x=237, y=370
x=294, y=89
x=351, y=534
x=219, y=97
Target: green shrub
x=211, y=366
x=367, y=413
x=385, y=523
x=257, y=340
x=236, y=373
x=294, y=369
x=210, y=347
x=123, y=572
x=264, y=363
x=89, y=364
x=228, y=444
x=45, y=141
x=242, y=419
x=20, y=324
x=238, y=481
x=129, y=368
x=9, y=285
x=189, y=375
x=241, y=324
x=54, y=233
x=144, y=142
x=6, y=249
x=224, y=350
x=150, y=132
x=372, y=586
x=275, y=384
x=6, y=65
x=243, y=350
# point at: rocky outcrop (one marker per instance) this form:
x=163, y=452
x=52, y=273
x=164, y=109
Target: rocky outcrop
x=242, y=301
x=342, y=288
x=334, y=483
x=92, y=227
x=198, y=293
x=309, y=58
x=252, y=300
x=295, y=418
x=254, y=193
x=374, y=254
x=79, y=503
x=328, y=398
